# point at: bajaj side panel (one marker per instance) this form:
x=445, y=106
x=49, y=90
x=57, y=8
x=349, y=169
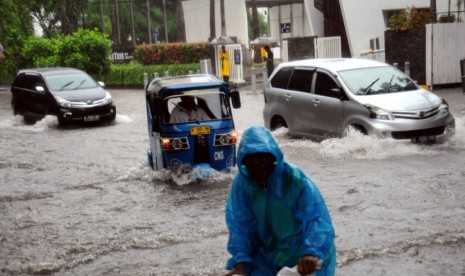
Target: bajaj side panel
x=190, y=123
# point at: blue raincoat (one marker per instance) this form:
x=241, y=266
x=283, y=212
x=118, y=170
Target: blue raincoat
x=275, y=227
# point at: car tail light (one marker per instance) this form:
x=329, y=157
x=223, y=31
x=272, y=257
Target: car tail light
x=178, y=143
x=226, y=139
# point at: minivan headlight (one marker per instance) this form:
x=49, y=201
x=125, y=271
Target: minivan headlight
x=443, y=108
x=379, y=113
x=62, y=102
x=108, y=97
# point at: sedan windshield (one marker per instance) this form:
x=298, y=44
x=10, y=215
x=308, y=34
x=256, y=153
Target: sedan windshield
x=376, y=80
x=70, y=82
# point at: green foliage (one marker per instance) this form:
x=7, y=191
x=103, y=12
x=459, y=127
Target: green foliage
x=40, y=52
x=263, y=25
x=171, y=53
x=410, y=18
x=132, y=75
x=88, y=50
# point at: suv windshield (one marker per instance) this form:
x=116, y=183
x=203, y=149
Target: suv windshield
x=70, y=82
x=376, y=80
x=197, y=105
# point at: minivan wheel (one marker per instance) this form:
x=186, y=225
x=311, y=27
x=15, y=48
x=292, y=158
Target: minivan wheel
x=360, y=129
x=278, y=122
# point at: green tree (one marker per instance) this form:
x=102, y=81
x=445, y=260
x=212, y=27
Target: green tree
x=88, y=50
x=58, y=16
x=15, y=27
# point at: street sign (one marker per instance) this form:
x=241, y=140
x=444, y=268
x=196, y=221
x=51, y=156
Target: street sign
x=285, y=28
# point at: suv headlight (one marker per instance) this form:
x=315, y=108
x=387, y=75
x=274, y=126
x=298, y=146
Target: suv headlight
x=443, y=108
x=62, y=102
x=379, y=113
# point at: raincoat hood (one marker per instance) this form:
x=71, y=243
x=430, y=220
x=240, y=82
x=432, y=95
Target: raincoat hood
x=259, y=139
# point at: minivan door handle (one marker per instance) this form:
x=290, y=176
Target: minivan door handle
x=316, y=102
x=287, y=96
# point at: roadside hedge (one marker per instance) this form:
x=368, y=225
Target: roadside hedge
x=172, y=53
x=132, y=75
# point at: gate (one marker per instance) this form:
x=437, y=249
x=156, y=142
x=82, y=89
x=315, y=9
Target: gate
x=328, y=47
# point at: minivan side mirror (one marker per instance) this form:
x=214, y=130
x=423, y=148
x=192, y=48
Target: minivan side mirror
x=338, y=92
x=235, y=99
x=40, y=89
x=101, y=83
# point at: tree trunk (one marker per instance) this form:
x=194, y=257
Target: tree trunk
x=256, y=30
x=212, y=21
x=181, y=31
x=223, y=21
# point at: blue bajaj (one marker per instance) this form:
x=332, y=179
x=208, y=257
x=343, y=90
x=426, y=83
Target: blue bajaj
x=190, y=123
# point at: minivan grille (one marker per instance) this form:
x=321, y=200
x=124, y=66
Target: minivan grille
x=417, y=133
x=417, y=115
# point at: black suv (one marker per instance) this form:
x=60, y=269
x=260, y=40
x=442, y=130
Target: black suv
x=70, y=94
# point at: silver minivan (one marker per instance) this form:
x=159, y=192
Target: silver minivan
x=321, y=98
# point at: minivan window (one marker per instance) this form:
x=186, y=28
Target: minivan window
x=281, y=78
x=301, y=80
x=324, y=84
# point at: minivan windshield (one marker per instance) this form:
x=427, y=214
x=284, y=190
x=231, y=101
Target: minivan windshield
x=72, y=81
x=376, y=80
x=197, y=105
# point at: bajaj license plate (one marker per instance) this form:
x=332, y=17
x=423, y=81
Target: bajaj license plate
x=91, y=118
x=200, y=130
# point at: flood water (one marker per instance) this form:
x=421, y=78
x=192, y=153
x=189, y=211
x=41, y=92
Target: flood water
x=81, y=200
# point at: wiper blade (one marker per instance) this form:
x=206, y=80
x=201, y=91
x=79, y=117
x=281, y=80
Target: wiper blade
x=80, y=84
x=389, y=85
x=367, y=89
x=66, y=85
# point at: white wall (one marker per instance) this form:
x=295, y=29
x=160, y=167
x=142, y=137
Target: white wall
x=197, y=20
x=364, y=19
x=295, y=14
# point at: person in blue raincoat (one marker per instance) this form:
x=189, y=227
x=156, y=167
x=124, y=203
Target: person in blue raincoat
x=275, y=214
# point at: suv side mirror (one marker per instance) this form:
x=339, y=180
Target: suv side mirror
x=235, y=99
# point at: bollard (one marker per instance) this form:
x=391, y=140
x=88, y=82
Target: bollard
x=167, y=73
x=146, y=79
x=191, y=72
x=265, y=75
x=198, y=71
x=155, y=75
x=407, y=68
x=395, y=64
x=254, y=78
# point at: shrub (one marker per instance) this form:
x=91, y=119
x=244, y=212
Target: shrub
x=88, y=50
x=410, y=18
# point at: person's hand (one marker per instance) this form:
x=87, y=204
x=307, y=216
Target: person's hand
x=237, y=270
x=307, y=265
